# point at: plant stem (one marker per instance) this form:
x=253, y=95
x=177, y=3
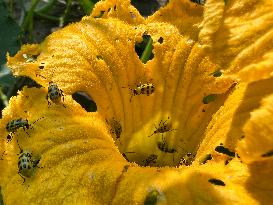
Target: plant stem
x=48, y=17
x=27, y=24
x=3, y=98
x=63, y=18
x=47, y=7
x=147, y=51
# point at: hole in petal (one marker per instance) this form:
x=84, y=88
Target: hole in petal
x=146, y=8
x=217, y=73
x=85, y=101
x=144, y=49
x=99, y=57
x=29, y=58
x=100, y=15
x=206, y=158
x=268, y=154
x=221, y=149
x=209, y=98
x=160, y=40
x=151, y=198
x=41, y=66
x=217, y=182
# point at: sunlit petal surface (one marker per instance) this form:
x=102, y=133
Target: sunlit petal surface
x=196, y=106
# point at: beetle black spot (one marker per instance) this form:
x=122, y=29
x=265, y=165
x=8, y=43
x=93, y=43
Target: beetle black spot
x=29, y=167
x=25, y=166
x=217, y=182
x=20, y=167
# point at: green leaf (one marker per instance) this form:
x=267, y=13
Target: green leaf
x=88, y=5
x=6, y=77
x=9, y=33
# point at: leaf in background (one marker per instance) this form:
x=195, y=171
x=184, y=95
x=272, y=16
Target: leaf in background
x=9, y=33
x=6, y=77
x=88, y=5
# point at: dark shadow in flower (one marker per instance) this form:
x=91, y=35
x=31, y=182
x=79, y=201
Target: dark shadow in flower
x=254, y=93
x=85, y=101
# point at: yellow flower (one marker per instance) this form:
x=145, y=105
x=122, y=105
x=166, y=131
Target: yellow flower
x=204, y=135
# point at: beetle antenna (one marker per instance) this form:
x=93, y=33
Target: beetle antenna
x=37, y=120
x=19, y=145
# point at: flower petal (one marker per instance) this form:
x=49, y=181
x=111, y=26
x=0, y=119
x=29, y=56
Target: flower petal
x=239, y=37
x=75, y=150
x=244, y=127
x=185, y=15
x=121, y=10
x=97, y=56
x=258, y=143
x=256, y=149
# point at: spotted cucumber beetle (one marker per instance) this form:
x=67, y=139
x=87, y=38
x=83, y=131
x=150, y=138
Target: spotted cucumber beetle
x=54, y=93
x=187, y=159
x=26, y=164
x=115, y=127
x=164, y=147
x=150, y=160
x=142, y=89
x=15, y=124
x=163, y=127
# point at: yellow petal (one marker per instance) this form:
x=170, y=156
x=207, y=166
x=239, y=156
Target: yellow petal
x=103, y=63
x=258, y=143
x=81, y=163
x=238, y=35
x=246, y=117
x=185, y=15
x=121, y=10
x=256, y=150
x=75, y=154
